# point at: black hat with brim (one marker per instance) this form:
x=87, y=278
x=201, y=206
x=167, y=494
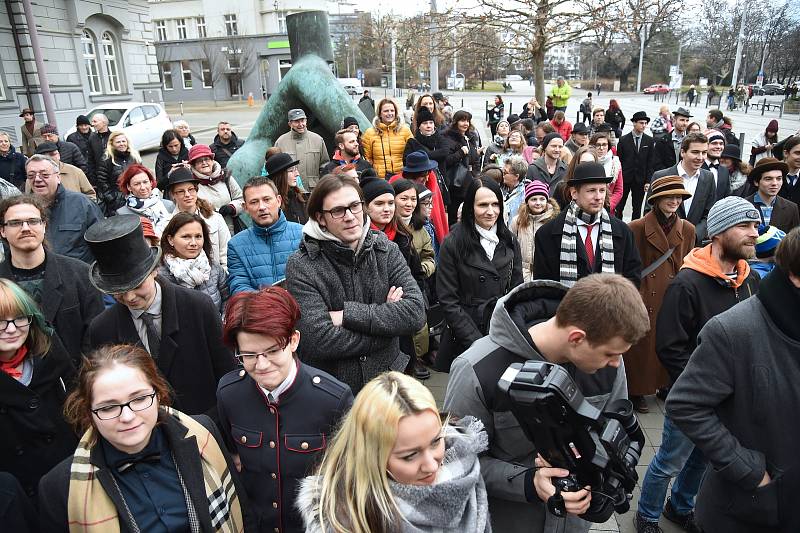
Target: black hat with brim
x=181, y=175
x=589, y=172
x=681, y=111
x=278, y=163
x=123, y=260
x=640, y=115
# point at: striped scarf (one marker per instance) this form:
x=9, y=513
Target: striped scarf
x=569, y=244
x=91, y=510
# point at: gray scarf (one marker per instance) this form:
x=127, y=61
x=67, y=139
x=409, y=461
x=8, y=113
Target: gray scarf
x=569, y=244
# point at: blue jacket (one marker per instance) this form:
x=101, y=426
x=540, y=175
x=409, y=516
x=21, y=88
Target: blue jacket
x=257, y=256
x=71, y=214
x=12, y=168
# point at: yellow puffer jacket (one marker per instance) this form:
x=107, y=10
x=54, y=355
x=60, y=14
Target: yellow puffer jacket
x=561, y=94
x=383, y=146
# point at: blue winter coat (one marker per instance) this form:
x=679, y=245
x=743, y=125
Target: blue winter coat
x=257, y=256
x=12, y=168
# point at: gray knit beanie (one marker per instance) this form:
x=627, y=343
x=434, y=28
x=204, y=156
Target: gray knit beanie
x=728, y=212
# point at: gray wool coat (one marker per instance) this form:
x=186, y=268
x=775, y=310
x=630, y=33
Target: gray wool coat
x=326, y=276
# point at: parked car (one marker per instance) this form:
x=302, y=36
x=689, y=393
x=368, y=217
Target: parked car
x=656, y=88
x=768, y=89
x=352, y=86
x=143, y=123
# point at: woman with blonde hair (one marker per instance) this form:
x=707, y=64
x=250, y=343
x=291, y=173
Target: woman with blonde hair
x=386, y=140
x=119, y=155
x=394, y=466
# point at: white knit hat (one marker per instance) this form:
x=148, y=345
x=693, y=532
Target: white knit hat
x=730, y=211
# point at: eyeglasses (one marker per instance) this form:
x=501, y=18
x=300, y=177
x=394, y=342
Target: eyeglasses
x=19, y=322
x=426, y=204
x=251, y=357
x=19, y=223
x=201, y=160
x=338, y=212
x=110, y=412
x=43, y=175
x=183, y=192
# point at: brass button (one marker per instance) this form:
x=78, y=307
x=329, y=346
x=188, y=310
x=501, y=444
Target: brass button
x=274, y=505
x=274, y=476
x=242, y=373
x=272, y=410
x=243, y=439
x=316, y=379
x=304, y=445
x=276, y=530
x=271, y=444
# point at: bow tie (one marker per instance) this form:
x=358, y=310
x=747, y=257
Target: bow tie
x=713, y=165
x=124, y=466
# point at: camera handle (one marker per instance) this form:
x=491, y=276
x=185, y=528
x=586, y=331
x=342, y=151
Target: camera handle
x=555, y=503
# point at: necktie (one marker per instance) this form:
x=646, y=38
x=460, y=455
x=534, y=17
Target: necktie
x=792, y=179
x=589, y=246
x=637, y=139
x=153, y=335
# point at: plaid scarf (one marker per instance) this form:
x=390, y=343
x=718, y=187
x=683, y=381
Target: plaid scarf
x=569, y=243
x=91, y=510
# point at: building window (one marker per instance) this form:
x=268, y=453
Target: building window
x=110, y=59
x=90, y=61
x=208, y=81
x=166, y=76
x=281, y=21
x=201, y=27
x=181, y=25
x=161, y=30
x=186, y=74
x=231, y=27
x=233, y=62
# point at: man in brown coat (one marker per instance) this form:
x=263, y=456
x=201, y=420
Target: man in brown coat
x=30, y=133
x=663, y=240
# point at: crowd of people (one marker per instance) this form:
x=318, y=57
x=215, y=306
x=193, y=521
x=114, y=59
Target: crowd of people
x=169, y=364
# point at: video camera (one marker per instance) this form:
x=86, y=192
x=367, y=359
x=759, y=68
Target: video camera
x=600, y=449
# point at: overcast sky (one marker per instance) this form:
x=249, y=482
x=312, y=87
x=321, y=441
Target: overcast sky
x=404, y=8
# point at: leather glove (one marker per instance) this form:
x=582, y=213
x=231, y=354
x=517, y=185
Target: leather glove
x=227, y=210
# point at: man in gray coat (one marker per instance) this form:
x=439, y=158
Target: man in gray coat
x=541, y=320
x=354, y=286
x=738, y=401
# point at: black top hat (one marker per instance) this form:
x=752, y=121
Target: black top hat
x=640, y=115
x=123, y=258
x=419, y=162
x=181, y=175
x=579, y=128
x=279, y=163
x=732, y=151
x=682, y=111
x=589, y=172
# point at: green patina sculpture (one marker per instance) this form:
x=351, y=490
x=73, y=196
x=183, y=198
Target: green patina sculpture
x=309, y=85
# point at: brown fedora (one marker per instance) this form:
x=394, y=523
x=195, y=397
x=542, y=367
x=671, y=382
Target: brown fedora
x=667, y=186
x=765, y=164
x=26, y=111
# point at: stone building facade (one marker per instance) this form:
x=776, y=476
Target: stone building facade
x=95, y=52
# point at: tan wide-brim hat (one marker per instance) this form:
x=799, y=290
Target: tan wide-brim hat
x=667, y=186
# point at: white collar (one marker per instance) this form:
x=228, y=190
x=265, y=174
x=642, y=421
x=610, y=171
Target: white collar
x=285, y=384
x=686, y=175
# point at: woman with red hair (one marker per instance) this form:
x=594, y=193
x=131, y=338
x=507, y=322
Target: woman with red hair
x=277, y=413
x=143, y=198
x=615, y=117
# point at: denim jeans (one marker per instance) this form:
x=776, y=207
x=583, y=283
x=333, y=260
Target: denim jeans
x=676, y=456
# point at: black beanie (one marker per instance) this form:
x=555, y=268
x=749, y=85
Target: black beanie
x=82, y=120
x=374, y=187
x=424, y=115
x=349, y=121
x=549, y=137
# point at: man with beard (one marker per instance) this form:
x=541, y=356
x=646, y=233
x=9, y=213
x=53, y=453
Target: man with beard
x=712, y=280
x=305, y=146
x=225, y=144
x=584, y=238
x=716, y=144
x=347, y=151
x=668, y=147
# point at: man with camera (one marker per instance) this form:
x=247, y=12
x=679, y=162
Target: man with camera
x=541, y=320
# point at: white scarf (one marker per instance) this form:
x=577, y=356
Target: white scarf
x=489, y=239
x=189, y=272
x=152, y=208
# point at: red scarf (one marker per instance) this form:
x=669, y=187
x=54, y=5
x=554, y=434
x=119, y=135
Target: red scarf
x=10, y=366
x=390, y=230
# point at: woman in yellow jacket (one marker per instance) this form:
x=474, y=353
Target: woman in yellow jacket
x=385, y=141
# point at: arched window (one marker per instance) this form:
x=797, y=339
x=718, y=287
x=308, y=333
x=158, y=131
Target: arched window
x=110, y=58
x=90, y=61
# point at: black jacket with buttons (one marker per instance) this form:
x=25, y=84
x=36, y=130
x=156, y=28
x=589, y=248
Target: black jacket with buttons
x=279, y=443
x=35, y=436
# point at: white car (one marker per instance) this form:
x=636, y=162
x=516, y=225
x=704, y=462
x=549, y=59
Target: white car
x=143, y=123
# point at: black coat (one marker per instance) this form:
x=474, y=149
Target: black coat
x=54, y=487
x=722, y=179
x=69, y=301
x=538, y=116
x=82, y=142
x=108, y=172
x=12, y=168
x=72, y=155
x=616, y=118
x=191, y=356
x=789, y=192
x=97, y=150
x=438, y=147
x=468, y=287
x=280, y=443
x=637, y=166
x=785, y=214
x=35, y=435
x=664, y=156
x=223, y=152
x=164, y=162
x=547, y=252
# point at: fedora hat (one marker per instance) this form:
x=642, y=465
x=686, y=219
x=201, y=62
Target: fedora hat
x=123, y=258
x=640, y=115
x=732, y=151
x=589, y=172
x=26, y=111
x=667, y=186
x=279, y=163
x=181, y=175
x=682, y=112
x=765, y=164
x=419, y=162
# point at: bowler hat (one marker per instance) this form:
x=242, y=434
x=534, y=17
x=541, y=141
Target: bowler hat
x=667, y=186
x=181, y=175
x=765, y=164
x=419, y=162
x=682, y=112
x=26, y=111
x=640, y=115
x=123, y=258
x=732, y=151
x=278, y=163
x=589, y=172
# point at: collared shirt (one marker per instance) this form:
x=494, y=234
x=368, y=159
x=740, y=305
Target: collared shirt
x=766, y=209
x=155, y=310
x=711, y=167
x=285, y=384
x=583, y=228
x=637, y=141
x=690, y=184
x=791, y=179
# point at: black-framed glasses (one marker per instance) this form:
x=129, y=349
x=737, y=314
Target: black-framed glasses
x=14, y=223
x=339, y=211
x=110, y=412
x=251, y=357
x=19, y=322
